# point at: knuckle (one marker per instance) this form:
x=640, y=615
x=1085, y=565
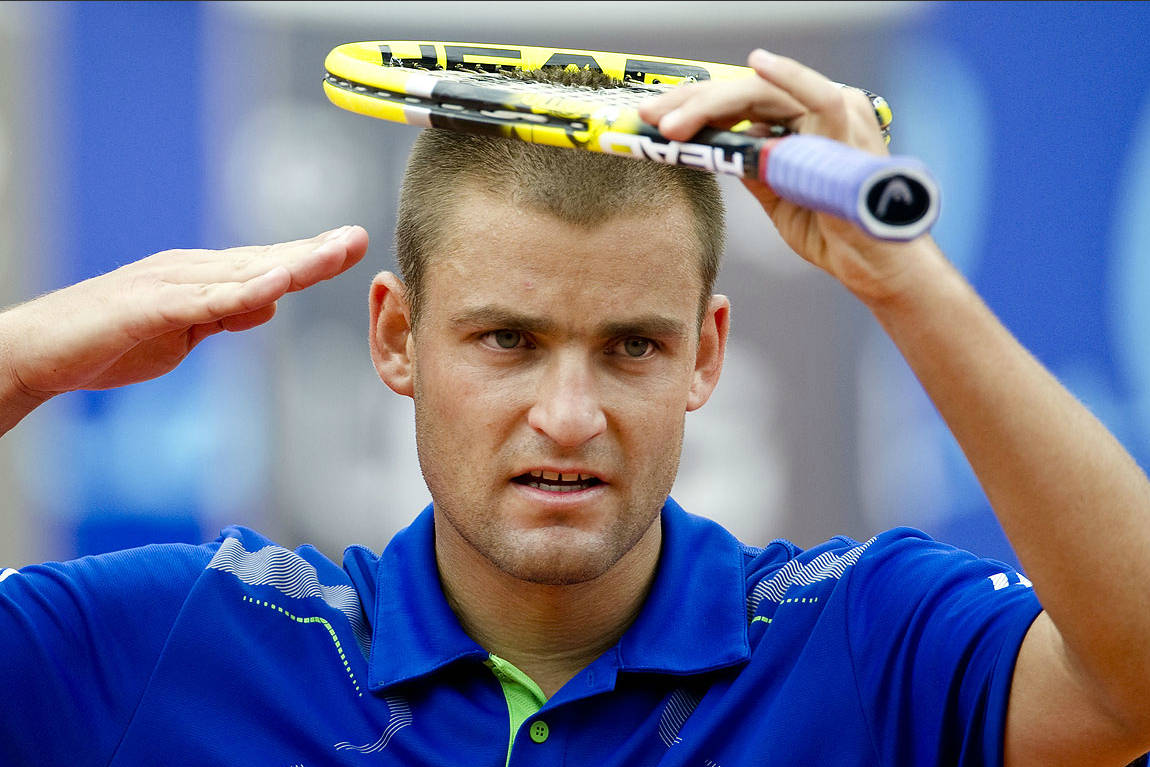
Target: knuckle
x=689, y=89
x=858, y=103
x=699, y=95
x=829, y=101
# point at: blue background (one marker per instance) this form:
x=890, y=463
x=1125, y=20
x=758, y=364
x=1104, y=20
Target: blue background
x=1036, y=117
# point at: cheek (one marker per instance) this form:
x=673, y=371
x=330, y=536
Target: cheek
x=658, y=426
x=656, y=397
x=650, y=417
x=464, y=398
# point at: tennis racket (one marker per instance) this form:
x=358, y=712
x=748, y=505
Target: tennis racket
x=480, y=88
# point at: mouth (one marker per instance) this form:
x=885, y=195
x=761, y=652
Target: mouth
x=557, y=482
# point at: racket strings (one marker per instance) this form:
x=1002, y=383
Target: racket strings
x=587, y=84
x=557, y=82
x=587, y=91
x=503, y=115
x=620, y=95
x=570, y=75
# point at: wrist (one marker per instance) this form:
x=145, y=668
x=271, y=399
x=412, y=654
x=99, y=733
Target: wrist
x=17, y=399
x=901, y=276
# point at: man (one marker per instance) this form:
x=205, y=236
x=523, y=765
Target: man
x=553, y=607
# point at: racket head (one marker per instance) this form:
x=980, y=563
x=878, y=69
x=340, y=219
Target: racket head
x=360, y=62
x=393, y=80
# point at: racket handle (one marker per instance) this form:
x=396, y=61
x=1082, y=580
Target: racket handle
x=891, y=198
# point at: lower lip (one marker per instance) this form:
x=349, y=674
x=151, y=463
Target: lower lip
x=553, y=498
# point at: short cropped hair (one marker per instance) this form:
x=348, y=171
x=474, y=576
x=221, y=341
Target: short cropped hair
x=579, y=188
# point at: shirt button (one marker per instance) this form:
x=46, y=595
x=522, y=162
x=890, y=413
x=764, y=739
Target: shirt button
x=540, y=731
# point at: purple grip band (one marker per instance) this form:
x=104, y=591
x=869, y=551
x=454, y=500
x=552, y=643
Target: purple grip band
x=819, y=173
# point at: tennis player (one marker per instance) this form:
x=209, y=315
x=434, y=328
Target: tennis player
x=553, y=323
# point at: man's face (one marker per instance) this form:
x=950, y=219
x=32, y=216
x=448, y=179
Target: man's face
x=552, y=368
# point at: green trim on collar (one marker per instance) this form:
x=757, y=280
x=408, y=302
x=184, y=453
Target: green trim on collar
x=524, y=697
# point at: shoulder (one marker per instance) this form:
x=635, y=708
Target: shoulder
x=899, y=554
x=147, y=575
x=90, y=637
x=899, y=570
x=254, y=559
x=781, y=567
x=910, y=639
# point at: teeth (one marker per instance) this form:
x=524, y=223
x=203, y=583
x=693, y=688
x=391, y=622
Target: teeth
x=556, y=488
x=560, y=482
x=553, y=475
x=542, y=479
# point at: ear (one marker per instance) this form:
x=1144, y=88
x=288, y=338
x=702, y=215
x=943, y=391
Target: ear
x=712, y=347
x=392, y=349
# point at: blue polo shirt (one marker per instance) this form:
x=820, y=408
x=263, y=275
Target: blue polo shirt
x=895, y=651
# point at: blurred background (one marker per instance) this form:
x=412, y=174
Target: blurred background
x=130, y=128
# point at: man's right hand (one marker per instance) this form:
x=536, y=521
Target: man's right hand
x=141, y=320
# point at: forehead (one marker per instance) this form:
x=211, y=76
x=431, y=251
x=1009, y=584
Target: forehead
x=495, y=250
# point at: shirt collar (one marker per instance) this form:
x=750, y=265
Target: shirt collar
x=694, y=619
x=414, y=631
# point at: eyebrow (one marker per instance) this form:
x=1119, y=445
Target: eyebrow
x=645, y=325
x=500, y=317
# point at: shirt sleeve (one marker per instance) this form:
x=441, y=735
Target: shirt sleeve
x=934, y=633
x=78, y=642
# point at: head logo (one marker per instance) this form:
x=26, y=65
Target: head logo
x=898, y=200
x=490, y=58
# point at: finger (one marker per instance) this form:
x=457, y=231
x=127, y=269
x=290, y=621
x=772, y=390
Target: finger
x=253, y=257
x=808, y=87
x=302, y=245
x=166, y=350
x=248, y=320
x=246, y=262
x=181, y=306
x=724, y=104
x=330, y=258
x=653, y=109
x=198, y=333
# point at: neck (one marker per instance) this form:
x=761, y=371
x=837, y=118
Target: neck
x=548, y=632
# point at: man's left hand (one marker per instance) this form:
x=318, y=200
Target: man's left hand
x=787, y=93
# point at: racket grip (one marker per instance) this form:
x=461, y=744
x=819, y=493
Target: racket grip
x=890, y=198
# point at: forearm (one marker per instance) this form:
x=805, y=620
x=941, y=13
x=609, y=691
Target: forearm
x=1074, y=504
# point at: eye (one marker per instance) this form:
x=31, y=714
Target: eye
x=505, y=339
x=636, y=347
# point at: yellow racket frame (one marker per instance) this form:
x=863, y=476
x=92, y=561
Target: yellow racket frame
x=364, y=63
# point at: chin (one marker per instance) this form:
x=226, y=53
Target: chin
x=554, y=558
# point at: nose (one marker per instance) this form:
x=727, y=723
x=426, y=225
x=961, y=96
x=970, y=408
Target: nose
x=567, y=408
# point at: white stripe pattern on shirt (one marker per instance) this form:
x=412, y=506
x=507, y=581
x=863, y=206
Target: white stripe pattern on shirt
x=398, y=717
x=676, y=711
x=293, y=576
x=824, y=566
